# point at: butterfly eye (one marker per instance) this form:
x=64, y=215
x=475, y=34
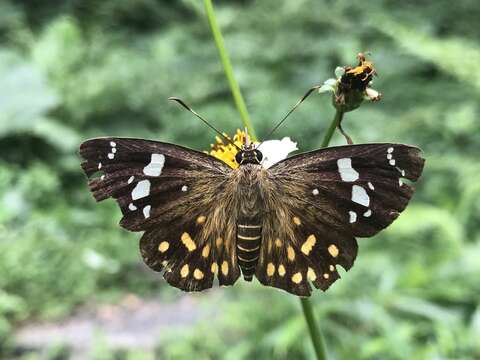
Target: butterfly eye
x=239, y=157
x=258, y=155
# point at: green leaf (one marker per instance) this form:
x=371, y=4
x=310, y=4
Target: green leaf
x=25, y=96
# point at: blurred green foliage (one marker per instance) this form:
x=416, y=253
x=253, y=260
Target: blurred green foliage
x=72, y=69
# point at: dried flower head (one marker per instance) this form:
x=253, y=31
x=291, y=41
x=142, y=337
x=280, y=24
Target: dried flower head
x=352, y=85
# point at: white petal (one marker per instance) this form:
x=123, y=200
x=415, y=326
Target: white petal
x=330, y=82
x=339, y=71
x=326, y=88
x=274, y=151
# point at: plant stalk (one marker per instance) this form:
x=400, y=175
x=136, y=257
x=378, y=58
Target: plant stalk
x=227, y=67
x=315, y=333
x=331, y=129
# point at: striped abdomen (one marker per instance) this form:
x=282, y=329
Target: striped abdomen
x=249, y=237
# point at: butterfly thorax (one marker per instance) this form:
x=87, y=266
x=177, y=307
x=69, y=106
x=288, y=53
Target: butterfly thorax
x=250, y=215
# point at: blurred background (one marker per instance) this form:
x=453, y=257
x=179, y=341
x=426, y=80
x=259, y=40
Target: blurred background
x=72, y=285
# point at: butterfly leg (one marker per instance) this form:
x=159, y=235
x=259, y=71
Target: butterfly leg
x=348, y=138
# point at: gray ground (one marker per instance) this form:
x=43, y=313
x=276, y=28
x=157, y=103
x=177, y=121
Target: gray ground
x=134, y=323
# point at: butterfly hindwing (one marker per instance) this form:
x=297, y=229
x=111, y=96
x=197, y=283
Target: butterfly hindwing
x=188, y=263
x=322, y=200
x=301, y=245
x=174, y=194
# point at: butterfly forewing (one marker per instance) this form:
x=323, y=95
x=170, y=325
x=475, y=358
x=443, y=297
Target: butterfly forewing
x=359, y=186
x=175, y=195
x=322, y=200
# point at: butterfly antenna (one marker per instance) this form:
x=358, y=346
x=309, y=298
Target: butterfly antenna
x=307, y=94
x=181, y=102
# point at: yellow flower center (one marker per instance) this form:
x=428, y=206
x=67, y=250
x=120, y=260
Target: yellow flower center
x=226, y=152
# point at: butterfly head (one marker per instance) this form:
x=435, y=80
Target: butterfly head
x=248, y=154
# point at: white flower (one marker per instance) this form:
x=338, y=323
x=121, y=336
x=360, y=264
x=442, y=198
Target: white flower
x=274, y=151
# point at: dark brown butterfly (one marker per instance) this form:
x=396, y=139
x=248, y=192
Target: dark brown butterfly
x=289, y=225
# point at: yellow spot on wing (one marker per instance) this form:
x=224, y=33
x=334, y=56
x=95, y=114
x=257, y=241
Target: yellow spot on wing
x=333, y=250
x=332, y=268
x=297, y=278
x=270, y=269
x=296, y=221
x=278, y=242
x=206, y=251
x=309, y=244
x=165, y=265
x=290, y=253
x=198, y=274
x=311, y=274
x=164, y=245
x=188, y=242
x=281, y=270
x=225, y=268
x=219, y=242
x=214, y=268
x=201, y=219
x=184, y=271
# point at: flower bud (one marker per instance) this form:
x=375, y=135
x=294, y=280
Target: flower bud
x=352, y=85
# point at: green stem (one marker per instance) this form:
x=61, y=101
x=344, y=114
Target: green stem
x=331, y=129
x=227, y=67
x=314, y=330
x=315, y=333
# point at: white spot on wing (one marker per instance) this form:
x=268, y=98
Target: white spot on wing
x=184, y=188
x=390, y=150
x=156, y=165
x=392, y=162
x=130, y=179
x=132, y=207
x=113, y=144
x=353, y=216
x=141, y=190
x=370, y=185
x=315, y=192
x=389, y=156
x=146, y=211
x=367, y=213
x=114, y=150
x=347, y=173
x=111, y=156
x=400, y=182
x=360, y=196
x=99, y=166
x=102, y=177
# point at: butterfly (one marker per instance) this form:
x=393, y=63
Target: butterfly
x=291, y=226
